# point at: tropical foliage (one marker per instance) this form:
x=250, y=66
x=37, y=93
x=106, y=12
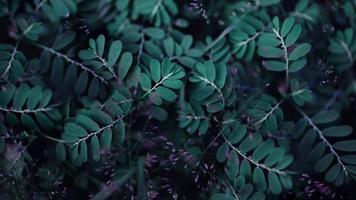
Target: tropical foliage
x=168, y=99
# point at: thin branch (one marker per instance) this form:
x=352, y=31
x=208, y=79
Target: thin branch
x=192, y=117
x=303, y=15
x=102, y=60
x=285, y=53
x=263, y=166
x=70, y=60
x=52, y=138
x=26, y=110
x=155, y=9
x=244, y=42
x=158, y=84
x=311, y=123
x=102, y=129
x=228, y=29
x=13, y=54
x=215, y=87
x=347, y=50
x=269, y=113
x=40, y=5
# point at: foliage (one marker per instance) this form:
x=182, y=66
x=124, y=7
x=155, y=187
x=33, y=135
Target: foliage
x=168, y=99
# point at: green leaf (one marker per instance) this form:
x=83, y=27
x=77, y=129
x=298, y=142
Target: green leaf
x=233, y=164
x=28, y=121
x=100, y=45
x=155, y=69
x=203, y=93
x=21, y=95
x=74, y=152
x=337, y=131
x=125, y=64
x=325, y=117
x=83, y=152
x=350, y=159
x=174, y=84
x=187, y=41
x=332, y=174
x=286, y=181
x=74, y=129
x=250, y=143
x=45, y=122
x=63, y=40
x=6, y=94
x=95, y=148
x=347, y=146
x=168, y=45
x=270, y=52
x=259, y=179
x=297, y=65
x=94, y=88
x=114, y=52
x=275, y=156
x=34, y=97
x=100, y=116
x=81, y=84
x=324, y=163
x=145, y=82
x=274, y=65
x=86, y=55
x=155, y=98
x=263, y=150
x=105, y=139
x=237, y=134
x=293, y=35
x=287, y=26
x=155, y=33
x=299, y=51
x=221, y=74
x=87, y=123
x=222, y=152
x=119, y=131
x=274, y=183
x=210, y=71
x=166, y=93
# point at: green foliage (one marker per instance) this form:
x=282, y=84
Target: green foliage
x=12, y=62
x=30, y=30
x=97, y=95
x=265, y=114
x=166, y=78
x=212, y=87
x=28, y=106
x=193, y=118
x=300, y=93
x=350, y=9
x=324, y=154
x=307, y=13
x=95, y=128
x=54, y=10
x=279, y=46
x=113, y=64
x=244, y=37
x=262, y=161
x=160, y=12
x=342, y=49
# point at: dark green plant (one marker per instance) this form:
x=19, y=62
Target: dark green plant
x=168, y=99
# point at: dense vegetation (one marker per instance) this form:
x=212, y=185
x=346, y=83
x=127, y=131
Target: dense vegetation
x=177, y=99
